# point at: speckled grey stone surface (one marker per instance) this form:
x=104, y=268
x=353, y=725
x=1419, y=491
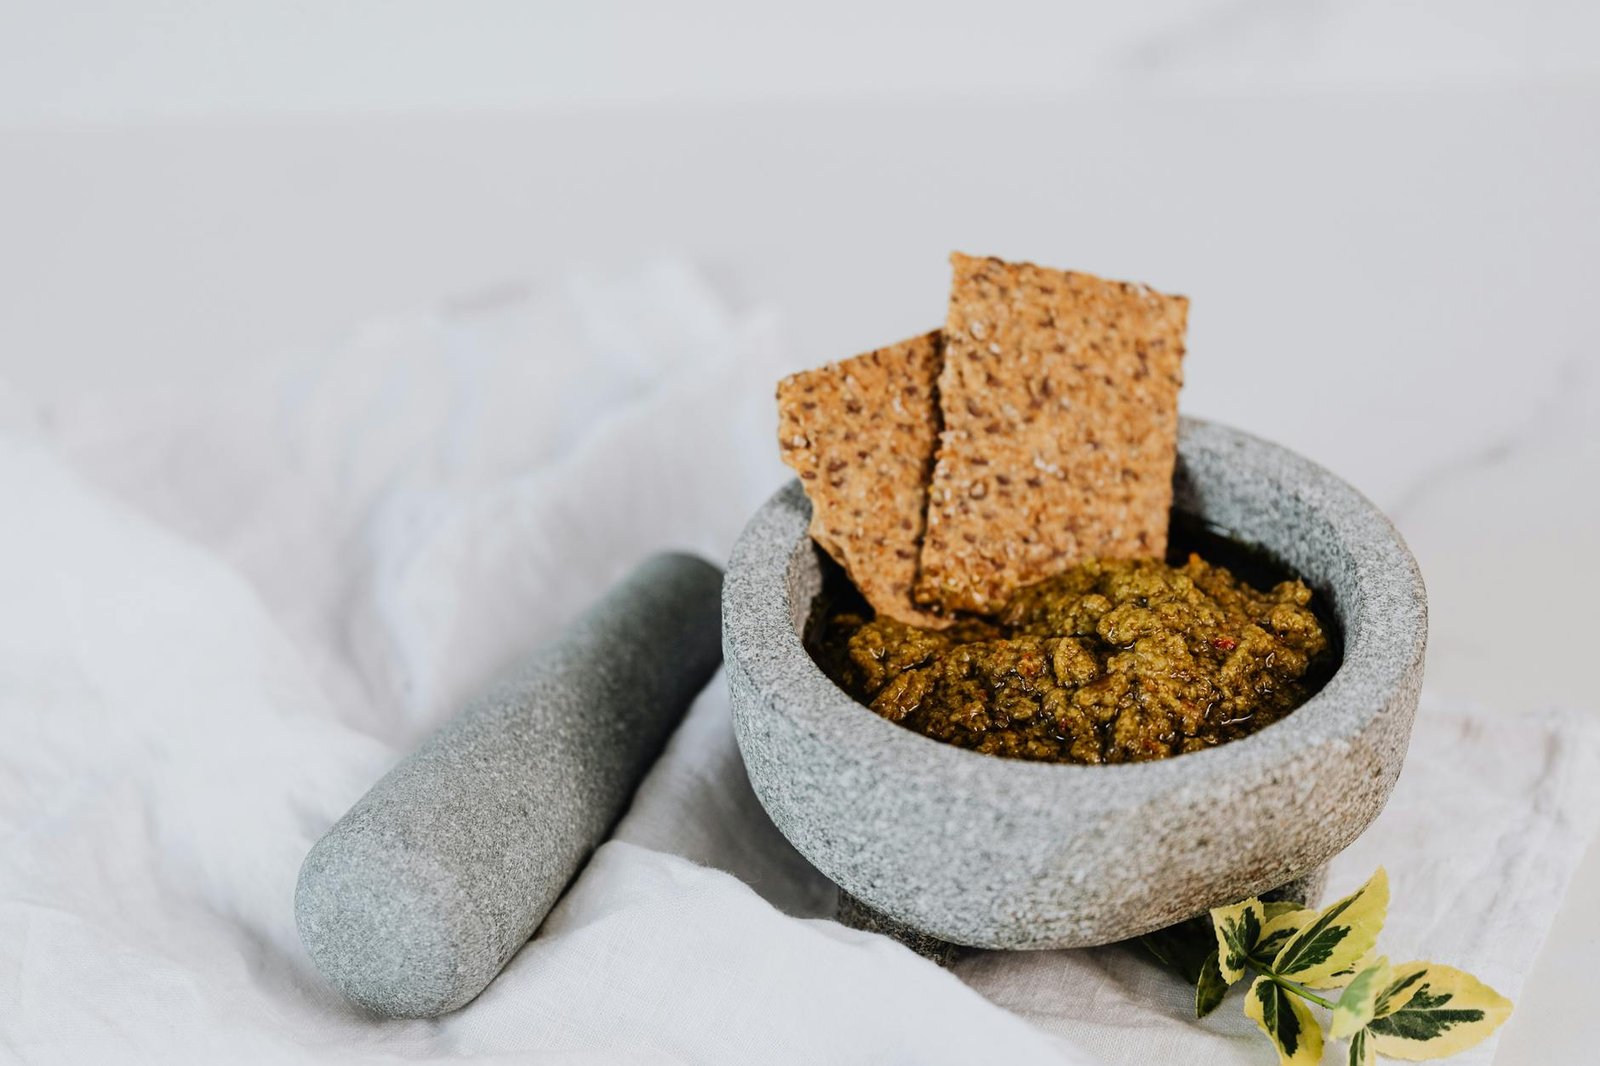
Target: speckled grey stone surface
x=851, y=912
x=999, y=853
x=418, y=896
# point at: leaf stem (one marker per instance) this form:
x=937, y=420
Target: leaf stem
x=1298, y=989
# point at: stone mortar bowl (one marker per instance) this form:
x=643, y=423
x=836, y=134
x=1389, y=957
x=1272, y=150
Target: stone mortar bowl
x=1000, y=853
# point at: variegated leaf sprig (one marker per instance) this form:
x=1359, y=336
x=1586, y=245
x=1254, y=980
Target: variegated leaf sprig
x=1416, y=1010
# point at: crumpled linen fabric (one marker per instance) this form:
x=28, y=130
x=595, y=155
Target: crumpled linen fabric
x=227, y=607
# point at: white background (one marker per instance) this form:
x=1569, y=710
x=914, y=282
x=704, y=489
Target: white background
x=163, y=59
x=1385, y=214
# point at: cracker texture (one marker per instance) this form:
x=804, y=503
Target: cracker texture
x=1059, y=402
x=861, y=435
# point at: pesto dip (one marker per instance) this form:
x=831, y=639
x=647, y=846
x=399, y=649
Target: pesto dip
x=1109, y=662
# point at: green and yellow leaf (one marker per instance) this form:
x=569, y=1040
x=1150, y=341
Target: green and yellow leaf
x=1434, y=1011
x=1287, y=1021
x=1238, y=931
x=1358, y=1005
x=1210, y=989
x=1332, y=946
x=1403, y=982
x=1362, y=1053
x=1282, y=921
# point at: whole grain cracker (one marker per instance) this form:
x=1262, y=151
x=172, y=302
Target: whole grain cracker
x=1059, y=396
x=861, y=433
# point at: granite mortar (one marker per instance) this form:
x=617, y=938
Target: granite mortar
x=997, y=853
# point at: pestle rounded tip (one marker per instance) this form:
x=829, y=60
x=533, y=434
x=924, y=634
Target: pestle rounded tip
x=388, y=927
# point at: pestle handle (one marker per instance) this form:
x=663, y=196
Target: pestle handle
x=415, y=899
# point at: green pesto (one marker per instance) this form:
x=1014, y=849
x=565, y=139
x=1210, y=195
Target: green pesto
x=1109, y=662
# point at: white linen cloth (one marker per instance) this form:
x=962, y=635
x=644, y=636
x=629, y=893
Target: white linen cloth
x=225, y=610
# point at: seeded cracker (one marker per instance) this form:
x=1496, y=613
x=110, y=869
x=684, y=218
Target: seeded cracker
x=1059, y=395
x=860, y=434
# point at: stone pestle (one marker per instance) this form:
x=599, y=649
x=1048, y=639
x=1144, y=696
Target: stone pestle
x=415, y=899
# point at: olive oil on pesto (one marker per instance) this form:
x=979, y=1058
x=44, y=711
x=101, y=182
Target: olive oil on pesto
x=1117, y=661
